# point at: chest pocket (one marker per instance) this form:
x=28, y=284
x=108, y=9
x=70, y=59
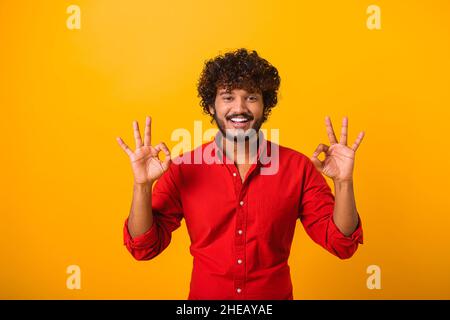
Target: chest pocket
x=276, y=217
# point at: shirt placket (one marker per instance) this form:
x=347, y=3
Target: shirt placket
x=240, y=229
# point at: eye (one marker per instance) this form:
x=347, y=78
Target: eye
x=253, y=98
x=227, y=98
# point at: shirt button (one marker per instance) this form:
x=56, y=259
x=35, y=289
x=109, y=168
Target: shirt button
x=239, y=261
x=241, y=203
x=238, y=290
x=234, y=174
x=240, y=231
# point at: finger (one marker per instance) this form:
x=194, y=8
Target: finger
x=124, y=146
x=162, y=147
x=320, y=148
x=358, y=140
x=343, y=139
x=147, y=133
x=330, y=131
x=166, y=161
x=137, y=135
x=317, y=163
x=315, y=160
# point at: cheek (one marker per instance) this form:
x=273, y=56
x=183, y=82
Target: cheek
x=220, y=109
x=257, y=110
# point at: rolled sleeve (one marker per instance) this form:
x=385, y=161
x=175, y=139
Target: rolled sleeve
x=144, y=240
x=167, y=215
x=344, y=246
x=316, y=215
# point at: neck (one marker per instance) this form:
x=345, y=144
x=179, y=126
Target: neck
x=242, y=152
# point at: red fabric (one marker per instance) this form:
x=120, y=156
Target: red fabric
x=241, y=251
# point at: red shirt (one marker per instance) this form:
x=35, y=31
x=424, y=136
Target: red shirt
x=241, y=232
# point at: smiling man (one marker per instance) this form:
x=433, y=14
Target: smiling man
x=240, y=221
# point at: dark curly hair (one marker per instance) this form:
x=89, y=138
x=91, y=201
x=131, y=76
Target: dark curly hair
x=240, y=69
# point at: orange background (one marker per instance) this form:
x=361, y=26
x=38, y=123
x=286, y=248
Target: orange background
x=66, y=94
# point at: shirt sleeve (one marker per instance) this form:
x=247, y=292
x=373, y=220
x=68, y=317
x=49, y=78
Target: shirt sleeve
x=316, y=215
x=167, y=215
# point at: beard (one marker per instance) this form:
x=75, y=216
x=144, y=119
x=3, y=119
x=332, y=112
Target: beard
x=239, y=133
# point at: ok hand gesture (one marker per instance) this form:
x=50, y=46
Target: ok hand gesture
x=339, y=158
x=146, y=165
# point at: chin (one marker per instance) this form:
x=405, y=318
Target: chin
x=240, y=133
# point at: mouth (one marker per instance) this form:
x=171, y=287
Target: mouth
x=239, y=122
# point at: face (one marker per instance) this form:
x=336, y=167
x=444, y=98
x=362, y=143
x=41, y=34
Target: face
x=237, y=111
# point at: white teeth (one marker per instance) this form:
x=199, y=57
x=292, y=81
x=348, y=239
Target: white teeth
x=239, y=119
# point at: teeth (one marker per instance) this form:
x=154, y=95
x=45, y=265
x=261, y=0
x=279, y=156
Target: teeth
x=239, y=120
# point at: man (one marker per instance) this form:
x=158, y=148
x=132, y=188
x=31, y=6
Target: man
x=241, y=221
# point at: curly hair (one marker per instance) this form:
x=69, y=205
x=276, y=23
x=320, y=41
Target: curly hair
x=240, y=69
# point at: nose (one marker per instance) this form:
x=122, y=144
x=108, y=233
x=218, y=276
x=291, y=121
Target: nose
x=240, y=105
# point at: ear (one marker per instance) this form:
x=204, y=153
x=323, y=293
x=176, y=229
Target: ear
x=211, y=109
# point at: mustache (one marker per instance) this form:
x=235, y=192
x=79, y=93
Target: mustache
x=247, y=116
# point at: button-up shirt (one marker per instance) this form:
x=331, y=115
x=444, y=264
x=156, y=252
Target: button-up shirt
x=241, y=231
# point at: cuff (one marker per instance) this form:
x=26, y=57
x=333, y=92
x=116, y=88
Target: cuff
x=355, y=237
x=141, y=241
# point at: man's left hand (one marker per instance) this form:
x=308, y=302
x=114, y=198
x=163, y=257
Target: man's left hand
x=339, y=158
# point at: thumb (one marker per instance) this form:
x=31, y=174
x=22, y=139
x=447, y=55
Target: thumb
x=317, y=163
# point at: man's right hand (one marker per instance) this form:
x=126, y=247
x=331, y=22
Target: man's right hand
x=146, y=165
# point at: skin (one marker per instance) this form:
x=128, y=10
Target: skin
x=147, y=167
